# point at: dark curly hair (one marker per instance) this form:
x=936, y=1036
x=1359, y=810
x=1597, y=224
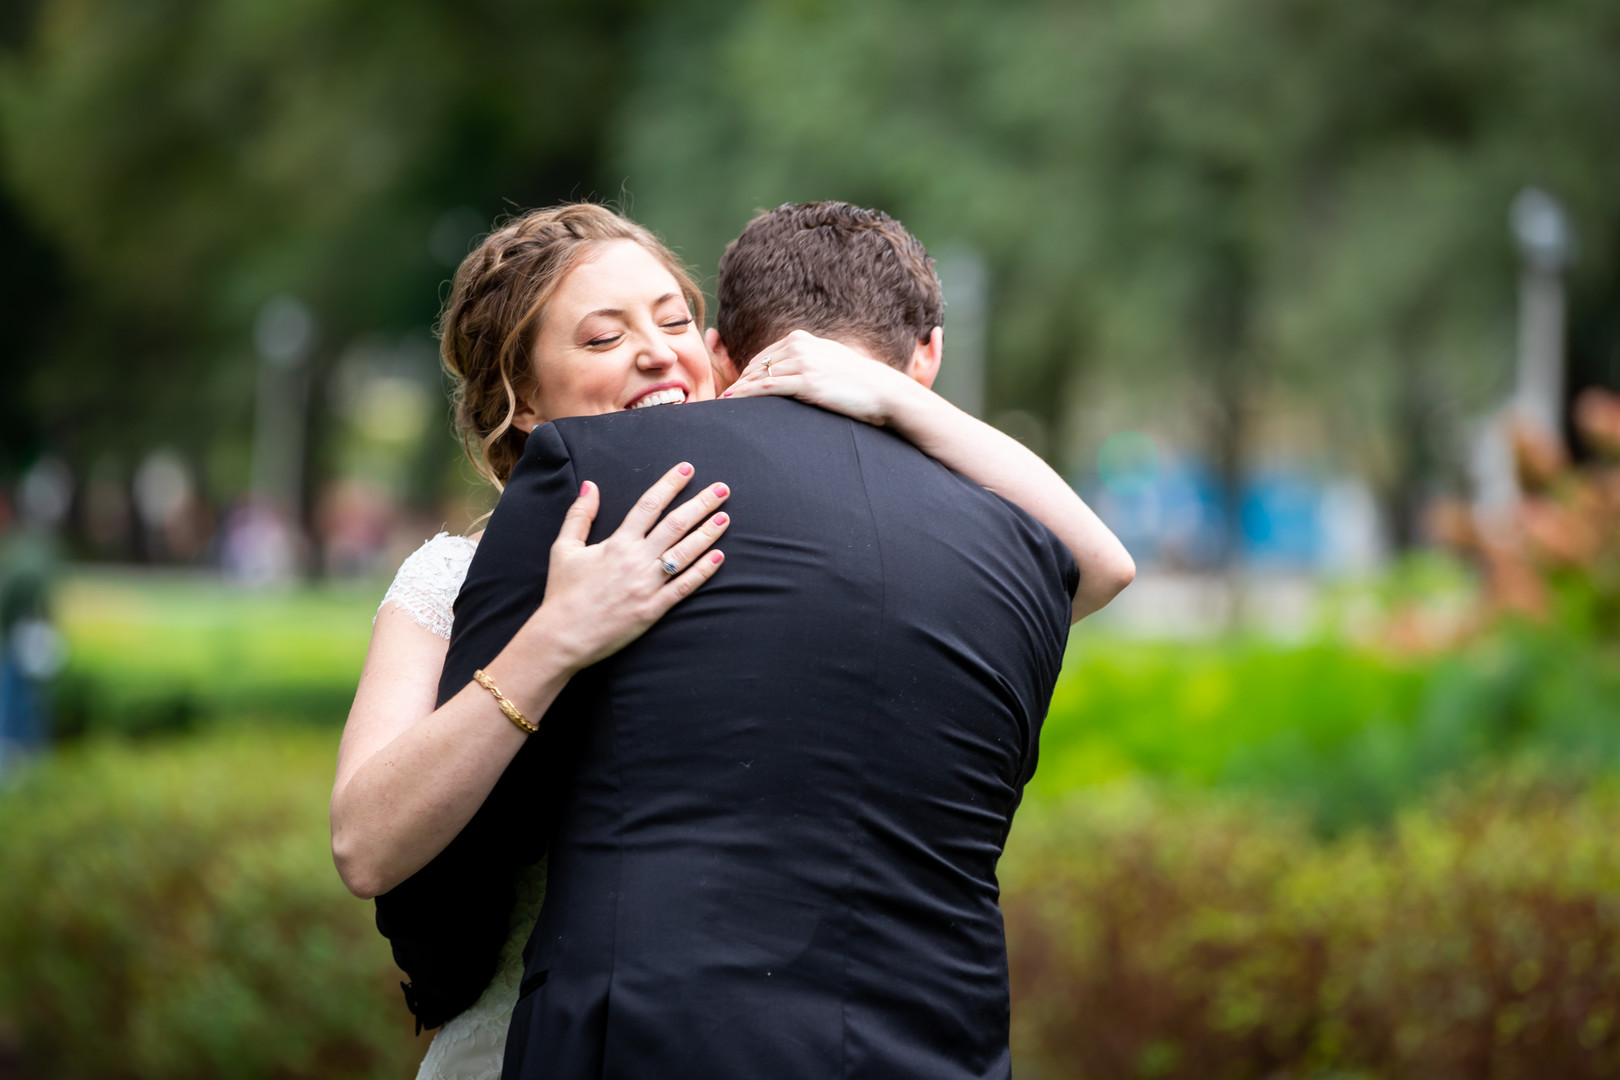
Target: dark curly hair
x=830, y=268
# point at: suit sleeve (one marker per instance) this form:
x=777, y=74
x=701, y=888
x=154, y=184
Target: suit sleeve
x=448, y=921
x=1059, y=569
x=507, y=578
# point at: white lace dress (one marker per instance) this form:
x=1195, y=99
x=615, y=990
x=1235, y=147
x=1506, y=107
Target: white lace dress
x=470, y=1046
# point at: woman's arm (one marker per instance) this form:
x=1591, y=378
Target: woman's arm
x=410, y=776
x=844, y=380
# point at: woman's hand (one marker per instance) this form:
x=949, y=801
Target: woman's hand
x=600, y=597
x=819, y=371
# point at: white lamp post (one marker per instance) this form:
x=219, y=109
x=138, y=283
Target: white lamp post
x=283, y=336
x=966, y=282
x=1547, y=245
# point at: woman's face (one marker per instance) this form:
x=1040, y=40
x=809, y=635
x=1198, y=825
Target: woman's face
x=618, y=335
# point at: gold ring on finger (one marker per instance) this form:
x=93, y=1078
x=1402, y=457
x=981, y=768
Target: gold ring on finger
x=768, y=361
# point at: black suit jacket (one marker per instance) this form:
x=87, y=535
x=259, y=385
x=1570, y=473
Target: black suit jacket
x=773, y=821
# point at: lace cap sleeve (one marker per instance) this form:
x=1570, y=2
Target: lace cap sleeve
x=427, y=583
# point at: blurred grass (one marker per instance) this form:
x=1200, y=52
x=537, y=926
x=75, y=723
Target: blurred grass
x=149, y=654
x=1346, y=733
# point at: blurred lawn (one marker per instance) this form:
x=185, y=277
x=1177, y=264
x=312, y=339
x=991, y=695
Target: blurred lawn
x=1345, y=733
x=161, y=653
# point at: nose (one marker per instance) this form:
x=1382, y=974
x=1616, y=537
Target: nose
x=656, y=354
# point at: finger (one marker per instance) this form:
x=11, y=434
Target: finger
x=763, y=378
x=644, y=515
x=687, y=583
x=680, y=520
x=789, y=384
x=775, y=347
x=576, y=524
x=682, y=554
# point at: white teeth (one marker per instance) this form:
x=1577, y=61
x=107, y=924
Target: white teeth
x=673, y=396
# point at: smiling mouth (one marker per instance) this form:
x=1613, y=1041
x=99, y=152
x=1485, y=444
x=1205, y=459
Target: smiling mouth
x=672, y=396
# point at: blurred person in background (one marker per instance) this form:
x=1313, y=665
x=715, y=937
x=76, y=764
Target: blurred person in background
x=30, y=647
x=564, y=313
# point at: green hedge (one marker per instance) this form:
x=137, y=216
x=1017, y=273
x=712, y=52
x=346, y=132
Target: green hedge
x=1347, y=734
x=170, y=910
x=1197, y=937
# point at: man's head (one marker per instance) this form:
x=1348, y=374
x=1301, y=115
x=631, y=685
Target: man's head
x=836, y=270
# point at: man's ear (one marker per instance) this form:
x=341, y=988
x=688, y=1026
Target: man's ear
x=925, y=358
x=725, y=372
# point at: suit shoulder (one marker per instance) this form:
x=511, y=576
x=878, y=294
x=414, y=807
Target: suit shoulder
x=661, y=422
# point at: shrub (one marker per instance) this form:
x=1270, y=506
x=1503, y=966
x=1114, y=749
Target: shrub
x=171, y=910
x=1174, y=936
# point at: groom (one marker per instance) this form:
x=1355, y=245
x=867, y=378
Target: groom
x=773, y=821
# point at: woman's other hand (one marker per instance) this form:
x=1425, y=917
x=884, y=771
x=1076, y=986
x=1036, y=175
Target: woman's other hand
x=819, y=371
x=600, y=597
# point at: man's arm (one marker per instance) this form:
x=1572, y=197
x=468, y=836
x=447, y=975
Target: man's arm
x=448, y=920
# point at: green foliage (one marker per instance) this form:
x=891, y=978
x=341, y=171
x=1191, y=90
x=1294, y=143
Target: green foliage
x=148, y=656
x=172, y=911
x=1219, y=197
x=189, y=160
x=1158, y=936
x=1347, y=734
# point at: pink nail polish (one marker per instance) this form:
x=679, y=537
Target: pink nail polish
x=726, y=394
x=684, y=469
x=721, y=491
x=718, y=557
x=583, y=488
x=720, y=519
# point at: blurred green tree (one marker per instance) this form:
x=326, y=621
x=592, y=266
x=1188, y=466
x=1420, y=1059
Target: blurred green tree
x=189, y=160
x=1252, y=195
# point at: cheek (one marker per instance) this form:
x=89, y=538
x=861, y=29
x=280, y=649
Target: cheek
x=698, y=369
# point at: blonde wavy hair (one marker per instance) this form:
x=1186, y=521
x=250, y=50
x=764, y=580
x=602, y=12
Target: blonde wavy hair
x=497, y=301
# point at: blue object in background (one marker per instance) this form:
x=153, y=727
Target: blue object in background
x=21, y=723
x=1281, y=520
x=1167, y=509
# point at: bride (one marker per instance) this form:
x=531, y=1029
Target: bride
x=572, y=311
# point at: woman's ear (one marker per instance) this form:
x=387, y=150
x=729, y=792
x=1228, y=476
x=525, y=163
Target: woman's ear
x=525, y=417
x=925, y=358
x=725, y=372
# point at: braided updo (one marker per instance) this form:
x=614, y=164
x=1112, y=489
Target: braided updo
x=499, y=295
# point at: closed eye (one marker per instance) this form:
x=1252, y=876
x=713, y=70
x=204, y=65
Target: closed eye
x=608, y=339
x=677, y=325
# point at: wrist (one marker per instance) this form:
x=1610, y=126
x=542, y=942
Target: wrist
x=912, y=409
x=536, y=664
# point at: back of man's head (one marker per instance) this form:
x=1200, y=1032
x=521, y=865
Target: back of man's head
x=836, y=270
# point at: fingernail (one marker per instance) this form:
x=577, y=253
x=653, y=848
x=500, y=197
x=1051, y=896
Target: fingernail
x=583, y=488
x=726, y=394
x=721, y=491
x=684, y=469
x=717, y=557
x=720, y=519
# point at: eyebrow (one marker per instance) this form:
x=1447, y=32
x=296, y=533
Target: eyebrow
x=619, y=312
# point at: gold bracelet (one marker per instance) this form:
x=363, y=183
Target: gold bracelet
x=522, y=722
